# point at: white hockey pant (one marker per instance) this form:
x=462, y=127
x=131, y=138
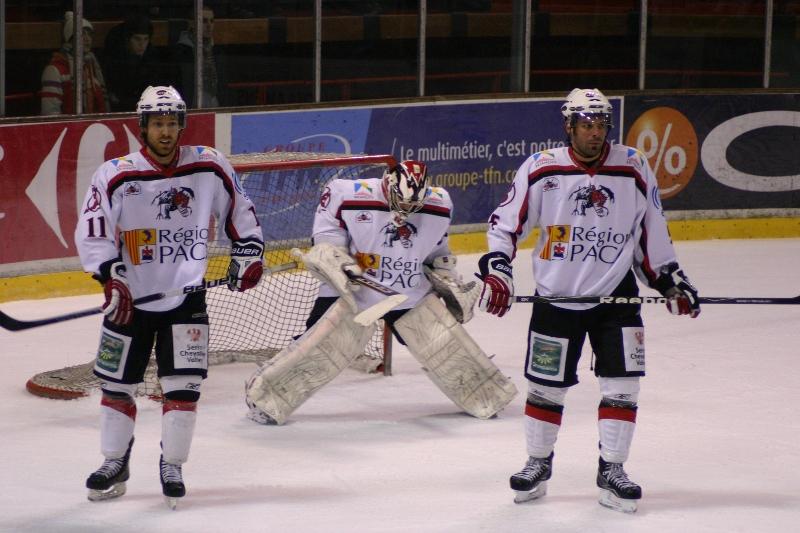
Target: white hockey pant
x=117, y=419
x=178, y=419
x=617, y=417
x=284, y=382
x=543, y=418
x=453, y=360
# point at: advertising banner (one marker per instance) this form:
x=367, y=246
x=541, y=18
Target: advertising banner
x=45, y=170
x=720, y=152
x=472, y=149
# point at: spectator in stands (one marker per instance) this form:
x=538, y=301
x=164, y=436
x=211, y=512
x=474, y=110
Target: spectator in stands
x=183, y=58
x=130, y=63
x=58, y=90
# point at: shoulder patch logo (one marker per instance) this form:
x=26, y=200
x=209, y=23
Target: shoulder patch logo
x=93, y=203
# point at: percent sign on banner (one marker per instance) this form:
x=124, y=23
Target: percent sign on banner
x=668, y=140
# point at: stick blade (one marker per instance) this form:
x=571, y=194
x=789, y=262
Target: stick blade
x=371, y=314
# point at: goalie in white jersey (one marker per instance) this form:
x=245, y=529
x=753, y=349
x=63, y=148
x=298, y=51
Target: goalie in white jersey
x=393, y=231
x=598, y=210
x=144, y=229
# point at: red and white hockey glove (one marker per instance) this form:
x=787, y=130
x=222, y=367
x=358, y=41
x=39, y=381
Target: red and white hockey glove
x=498, y=283
x=246, y=267
x=681, y=295
x=118, y=306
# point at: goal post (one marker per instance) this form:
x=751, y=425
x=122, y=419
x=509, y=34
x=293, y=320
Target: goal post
x=285, y=188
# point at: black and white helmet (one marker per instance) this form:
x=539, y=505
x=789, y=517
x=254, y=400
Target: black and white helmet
x=406, y=186
x=161, y=100
x=586, y=103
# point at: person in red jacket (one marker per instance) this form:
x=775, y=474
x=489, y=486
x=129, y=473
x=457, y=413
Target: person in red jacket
x=58, y=87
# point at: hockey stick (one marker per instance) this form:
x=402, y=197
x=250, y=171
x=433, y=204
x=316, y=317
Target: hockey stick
x=375, y=312
x=13, y=324
x=652, y=300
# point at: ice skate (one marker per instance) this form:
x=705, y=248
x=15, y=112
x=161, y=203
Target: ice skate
x=109, y=480
x=616, y=490
x=530, y=483
x=171, y=482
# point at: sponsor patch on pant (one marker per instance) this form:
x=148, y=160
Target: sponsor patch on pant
x=547, y=357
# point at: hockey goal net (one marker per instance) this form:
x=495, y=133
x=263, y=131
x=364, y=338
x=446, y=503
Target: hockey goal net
x=285, y=188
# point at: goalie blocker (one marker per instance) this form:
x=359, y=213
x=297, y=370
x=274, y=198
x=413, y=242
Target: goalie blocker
x=453, y=361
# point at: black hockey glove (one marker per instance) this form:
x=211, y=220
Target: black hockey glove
x=498, y=283
x=681, y=295
x=118, y=306
x=246, y=267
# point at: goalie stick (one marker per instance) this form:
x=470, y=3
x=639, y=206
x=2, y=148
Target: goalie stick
x=747, y=300
x=12, y=324
x=375, y=312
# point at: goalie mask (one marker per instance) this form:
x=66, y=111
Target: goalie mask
x=587, y=103
x=161, y=100
x=406, y=187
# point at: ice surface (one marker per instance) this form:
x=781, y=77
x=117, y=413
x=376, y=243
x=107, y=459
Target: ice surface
x=717, y=447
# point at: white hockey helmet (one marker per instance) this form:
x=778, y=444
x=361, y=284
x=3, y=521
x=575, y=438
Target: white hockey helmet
x=406, y=186
x=586, y=103
x=161, y=100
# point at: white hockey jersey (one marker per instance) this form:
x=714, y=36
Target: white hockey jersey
x=596, y=223
x=163, y=218
x=356, y=216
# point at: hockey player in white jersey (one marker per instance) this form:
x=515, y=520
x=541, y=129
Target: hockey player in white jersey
x=393, y=231
x=143, y=229
x=597, y=207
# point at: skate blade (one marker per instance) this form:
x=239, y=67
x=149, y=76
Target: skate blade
x=116, y=490
x=522, y=496
x=171, y=502
x=610, y=500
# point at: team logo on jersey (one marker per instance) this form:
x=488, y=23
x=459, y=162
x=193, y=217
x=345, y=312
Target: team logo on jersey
x=362, y=189
x=122, y=163
x=369, y=263
x=132, y=188
x=435, y=194
x=512, y=192
x=542, y=158
x=175, y=199
x=93, y=202
x=237, y=184
x=141, y=245
x=402, y=234
x=204, y=153
x=591, y=197
x=550, y=183
x=364, y=217
x=557, y=245
x=635, y=157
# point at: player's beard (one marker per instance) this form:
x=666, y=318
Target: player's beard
x=164, y=151
x=588, y=150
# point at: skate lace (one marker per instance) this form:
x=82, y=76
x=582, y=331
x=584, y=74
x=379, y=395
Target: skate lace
x=534, y=468
x=171, y=473
x=617, y=477
x=110, y=467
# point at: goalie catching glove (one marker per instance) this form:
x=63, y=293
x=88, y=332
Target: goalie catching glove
x=459, y=297
x=681, y=295
x=334, y=266
x=118, y=306
x=246, y=267
x=498, y=283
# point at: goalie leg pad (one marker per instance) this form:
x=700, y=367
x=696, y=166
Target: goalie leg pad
x=284, y=382
x=453, y=360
